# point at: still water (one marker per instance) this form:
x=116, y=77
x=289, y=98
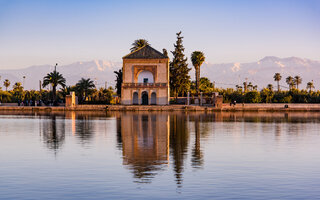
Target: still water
x=123, y=155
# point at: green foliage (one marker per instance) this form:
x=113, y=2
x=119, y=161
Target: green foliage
x=205, y=86
x=84, y=87
x=5, y=97
x=252, y=97
x=267, y=95
x=179, y=71
x=94, y=96
x=17, y=91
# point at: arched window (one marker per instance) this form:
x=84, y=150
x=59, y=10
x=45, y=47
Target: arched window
x=145, y=77
x=153, y=98
x=135, y=98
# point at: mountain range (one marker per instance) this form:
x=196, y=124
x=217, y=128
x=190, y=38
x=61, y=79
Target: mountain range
x=224, y=75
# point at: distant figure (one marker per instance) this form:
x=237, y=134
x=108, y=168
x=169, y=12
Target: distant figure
x=233, y=103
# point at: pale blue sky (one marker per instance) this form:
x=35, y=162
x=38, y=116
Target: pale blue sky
x=45, y=32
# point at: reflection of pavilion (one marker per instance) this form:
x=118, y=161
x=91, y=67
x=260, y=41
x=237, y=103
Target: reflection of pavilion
x=145, y=143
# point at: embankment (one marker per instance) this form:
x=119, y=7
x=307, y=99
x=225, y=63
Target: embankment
x=225, y=107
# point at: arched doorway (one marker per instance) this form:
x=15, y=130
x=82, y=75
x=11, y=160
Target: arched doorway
x=153, y=98
x=135, y=98
x=145, y=98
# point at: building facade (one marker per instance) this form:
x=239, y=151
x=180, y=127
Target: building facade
x=145, y=78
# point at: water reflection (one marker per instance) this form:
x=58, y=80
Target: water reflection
x=144, y=139
x=197, y=154
x=53, y=132
x=152, y=142
x=179, y=137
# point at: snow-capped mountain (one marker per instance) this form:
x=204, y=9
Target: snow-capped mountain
x=225, y=75
x=98, y=70
x=261, y=72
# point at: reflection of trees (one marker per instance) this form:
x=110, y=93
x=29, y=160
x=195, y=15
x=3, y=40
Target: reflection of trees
x=119, y=136
x=144, y=141
x=84, y=127
x=178, y=144
x=197, y=155
x=278, y=130
x=53, y=132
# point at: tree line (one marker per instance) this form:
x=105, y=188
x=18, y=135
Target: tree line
x=85, y=90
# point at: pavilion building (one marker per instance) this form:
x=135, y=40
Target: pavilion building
x=145, y=78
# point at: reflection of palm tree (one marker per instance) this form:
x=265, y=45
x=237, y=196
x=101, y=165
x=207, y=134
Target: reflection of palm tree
x=119, y=135
x=178, y=144
x=84, y=128
x=197, y=156
x=53, y=135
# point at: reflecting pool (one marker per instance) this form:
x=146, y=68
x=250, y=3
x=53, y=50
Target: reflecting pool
x=159, y=155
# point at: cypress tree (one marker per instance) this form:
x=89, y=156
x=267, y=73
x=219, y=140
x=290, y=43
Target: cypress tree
x=118, y=81
x=179, y=71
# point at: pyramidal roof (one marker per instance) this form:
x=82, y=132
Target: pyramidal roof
x=145, y=52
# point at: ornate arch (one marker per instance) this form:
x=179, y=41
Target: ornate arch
x=150, y=68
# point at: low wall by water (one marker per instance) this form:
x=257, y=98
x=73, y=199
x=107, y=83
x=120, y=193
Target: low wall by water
x=271, y=107
x=225, y=107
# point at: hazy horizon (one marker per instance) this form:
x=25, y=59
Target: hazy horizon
x=48, y=32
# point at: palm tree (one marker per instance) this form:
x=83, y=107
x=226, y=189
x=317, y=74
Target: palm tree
x=310, y=86
x=289, y=81
x=54, y=79
x=6, y=84
x=197, y=58
x=297, y=81
x=18, y=91
x=270, y=87
x=250, y=86
x=137, y=44
x=239, y=88
x=84, y=86
x=277, y=77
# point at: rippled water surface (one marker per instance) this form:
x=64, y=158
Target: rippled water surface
x=124, y=155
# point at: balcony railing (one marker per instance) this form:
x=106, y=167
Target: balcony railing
x=130, y=85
